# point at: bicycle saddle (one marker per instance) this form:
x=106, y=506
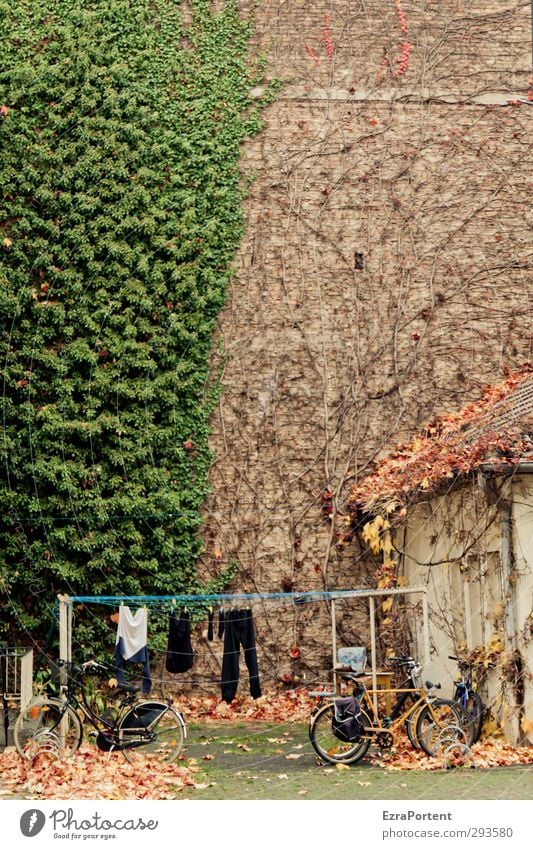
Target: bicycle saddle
x=351, y=676
x=121, y=689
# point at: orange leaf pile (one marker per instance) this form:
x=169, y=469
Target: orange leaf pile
x=91, y=774
x=288, y=706
x=486, y=754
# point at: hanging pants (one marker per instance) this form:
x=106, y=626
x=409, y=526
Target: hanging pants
x=239, y=630
x=180, y=656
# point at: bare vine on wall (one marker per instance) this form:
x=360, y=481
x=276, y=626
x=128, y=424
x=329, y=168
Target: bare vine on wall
x=383, y=278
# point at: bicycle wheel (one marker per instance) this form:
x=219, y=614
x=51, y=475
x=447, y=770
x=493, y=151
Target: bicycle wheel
x=410, y=727
x=441, y=724
x=46, y=725
x=476, y=709
x=328, y=747
x=156, y=732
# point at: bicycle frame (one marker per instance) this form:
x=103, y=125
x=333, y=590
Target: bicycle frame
x=137, y=736
x=397, y=716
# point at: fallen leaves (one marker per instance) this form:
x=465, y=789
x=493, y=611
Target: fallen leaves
x=287, y=706
x=91, y=774
x=486, y=754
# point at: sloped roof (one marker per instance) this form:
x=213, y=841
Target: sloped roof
x=496, y=429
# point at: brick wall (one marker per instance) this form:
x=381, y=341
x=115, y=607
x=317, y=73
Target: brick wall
x=385, y=276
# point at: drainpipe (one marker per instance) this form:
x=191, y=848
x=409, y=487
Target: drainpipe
x=508, y=564
x=505, y=509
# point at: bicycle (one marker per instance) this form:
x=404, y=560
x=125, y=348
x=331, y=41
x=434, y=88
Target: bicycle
x=407, y=691
x=139, y=729
x=467, y=696
x=342, y=730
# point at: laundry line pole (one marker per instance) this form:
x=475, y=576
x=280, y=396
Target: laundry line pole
x=65, y=636
x=333, y=633
x=372, y=614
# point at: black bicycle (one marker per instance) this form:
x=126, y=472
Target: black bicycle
x=467, y=695
x=139, y=729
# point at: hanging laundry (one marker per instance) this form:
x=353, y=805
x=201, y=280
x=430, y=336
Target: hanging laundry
x=220, y=623
x=180, y=656
x=131, y=644
x=210, y=616
x=239, y=630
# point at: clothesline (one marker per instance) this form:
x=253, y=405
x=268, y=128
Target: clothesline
x=66, y=604
x=298, y=598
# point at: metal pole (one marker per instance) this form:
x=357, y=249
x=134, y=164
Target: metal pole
x=63, y=639
x=69, y=631
x=372, y=611
x=425, y=626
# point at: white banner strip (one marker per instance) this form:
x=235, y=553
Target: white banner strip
x=131, y=824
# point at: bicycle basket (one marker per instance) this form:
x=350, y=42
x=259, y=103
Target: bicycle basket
x=143, y=715
x=345, y=722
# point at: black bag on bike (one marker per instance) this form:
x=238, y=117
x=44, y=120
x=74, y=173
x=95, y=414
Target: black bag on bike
x=144, y=715
x=345, y=722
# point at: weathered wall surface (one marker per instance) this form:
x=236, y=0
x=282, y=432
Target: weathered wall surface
x=385, y=276
x=453, y=545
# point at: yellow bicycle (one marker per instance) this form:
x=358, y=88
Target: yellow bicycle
x=341, y=730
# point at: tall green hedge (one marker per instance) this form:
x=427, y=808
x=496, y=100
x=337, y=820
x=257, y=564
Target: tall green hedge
x=120, y=212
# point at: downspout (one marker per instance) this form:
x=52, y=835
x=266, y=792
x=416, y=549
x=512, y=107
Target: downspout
x=505, y=509
x=508, y=582
x=508, y=567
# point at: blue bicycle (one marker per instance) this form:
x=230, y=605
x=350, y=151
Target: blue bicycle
x=467, y=695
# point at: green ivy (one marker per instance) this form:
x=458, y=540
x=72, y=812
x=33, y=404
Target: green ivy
x=120, y=213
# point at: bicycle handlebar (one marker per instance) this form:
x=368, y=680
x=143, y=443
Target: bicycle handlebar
x=462, y=664
x=403, y=661
x=85, y=668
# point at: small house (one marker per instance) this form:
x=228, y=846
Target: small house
x=453, y=511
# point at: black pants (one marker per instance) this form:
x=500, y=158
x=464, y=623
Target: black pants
x=180, y=656
x=239, y=630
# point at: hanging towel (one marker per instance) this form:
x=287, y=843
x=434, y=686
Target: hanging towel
x=180, y=656
x=131, y=644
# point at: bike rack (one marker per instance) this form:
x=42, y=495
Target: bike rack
x=462, y=747
x=456, y=745
x=46, y=742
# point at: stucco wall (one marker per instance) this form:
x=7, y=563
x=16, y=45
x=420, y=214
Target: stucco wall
x=453, y=545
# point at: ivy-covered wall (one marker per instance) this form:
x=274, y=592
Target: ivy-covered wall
x=120, y=212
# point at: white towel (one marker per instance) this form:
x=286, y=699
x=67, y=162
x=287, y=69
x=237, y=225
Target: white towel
x=133, y=630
